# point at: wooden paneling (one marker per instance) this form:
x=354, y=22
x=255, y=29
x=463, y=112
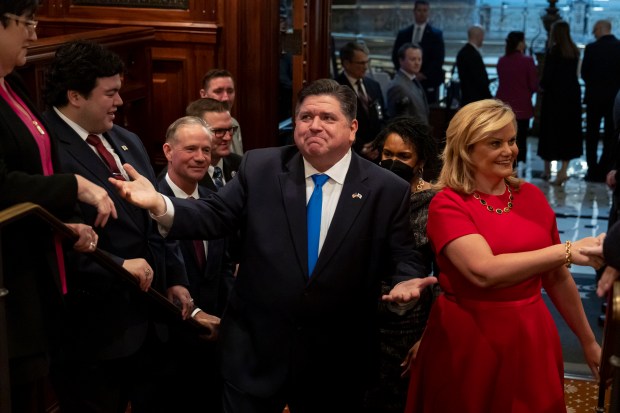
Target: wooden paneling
x=239, y=35
x=132, y=45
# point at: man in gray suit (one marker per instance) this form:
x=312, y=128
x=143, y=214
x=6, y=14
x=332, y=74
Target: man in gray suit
x=405, y=94
x=290, y=335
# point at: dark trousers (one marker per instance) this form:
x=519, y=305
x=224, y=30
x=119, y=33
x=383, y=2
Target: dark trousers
x=595, y=112
x=522, y=128
x=107, y=386
x=300, y=399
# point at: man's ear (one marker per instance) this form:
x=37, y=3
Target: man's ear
x=74, y=97
x=167, y=151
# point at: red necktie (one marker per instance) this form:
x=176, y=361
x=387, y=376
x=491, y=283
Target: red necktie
x=199, y=249
x=107, y=157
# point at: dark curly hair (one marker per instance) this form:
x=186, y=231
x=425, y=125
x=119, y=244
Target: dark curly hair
x=17, y=7
x=417, y=133
x=77, y=66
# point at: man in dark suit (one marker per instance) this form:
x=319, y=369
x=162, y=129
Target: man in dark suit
x=114, y=339
x=472, y=72
x=431, y=40
x=370, y=105
x=405, y=93
x=209, y=270
x=599, y=70
x=290, y=334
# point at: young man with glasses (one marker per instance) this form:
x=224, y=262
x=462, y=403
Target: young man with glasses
x=224, y=162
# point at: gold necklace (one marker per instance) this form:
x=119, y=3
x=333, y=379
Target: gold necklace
x=493, y=209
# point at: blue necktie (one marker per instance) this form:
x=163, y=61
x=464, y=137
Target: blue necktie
x=314, y=220
x=217, y=177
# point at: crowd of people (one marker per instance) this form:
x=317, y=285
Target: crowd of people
x=362, y=268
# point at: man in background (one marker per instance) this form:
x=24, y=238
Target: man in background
x=600, y=71
x=219, y=84
x=431, y=40
x=405, y=93
x=370, y=104
x=209, y=270
x=224, y=162
x=472, y=72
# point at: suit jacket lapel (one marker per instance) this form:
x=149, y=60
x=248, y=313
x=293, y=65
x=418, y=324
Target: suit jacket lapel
x=78, y=149
x=353, y=197
x=293, y=187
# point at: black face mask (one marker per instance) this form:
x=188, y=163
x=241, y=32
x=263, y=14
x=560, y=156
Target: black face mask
x=403, y=170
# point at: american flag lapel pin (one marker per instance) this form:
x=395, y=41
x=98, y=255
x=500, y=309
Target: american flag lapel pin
x=356, y=195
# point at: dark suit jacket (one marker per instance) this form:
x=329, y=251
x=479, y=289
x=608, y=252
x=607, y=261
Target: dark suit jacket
x=600, y=70
x=372, y=121
x=209, y=287
x=230, y=167
x=472, y=75
x=28, y=256
x=611, y=246
x=282, y=326
x=111, y=318
x=433, y=54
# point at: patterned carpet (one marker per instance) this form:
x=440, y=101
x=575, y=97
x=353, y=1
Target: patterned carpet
x=581, y=395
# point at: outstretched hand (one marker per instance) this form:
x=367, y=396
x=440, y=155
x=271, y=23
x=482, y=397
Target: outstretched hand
x=409, y=290
x=589, y=251
x=139, y=191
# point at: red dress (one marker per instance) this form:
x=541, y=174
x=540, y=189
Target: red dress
x=489, y=350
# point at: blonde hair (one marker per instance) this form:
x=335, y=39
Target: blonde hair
x=473, y=123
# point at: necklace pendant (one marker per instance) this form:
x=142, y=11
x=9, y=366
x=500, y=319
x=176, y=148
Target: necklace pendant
x=39, y=128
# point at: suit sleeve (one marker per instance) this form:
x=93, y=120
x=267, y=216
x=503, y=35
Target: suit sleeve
x=410, y=262
x=611, y=246
x=586, y=65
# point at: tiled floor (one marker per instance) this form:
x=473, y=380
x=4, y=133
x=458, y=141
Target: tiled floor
x=582, y=209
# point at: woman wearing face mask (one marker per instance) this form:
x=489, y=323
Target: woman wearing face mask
x=407, y=149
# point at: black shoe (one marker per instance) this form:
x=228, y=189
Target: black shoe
x=594, y=177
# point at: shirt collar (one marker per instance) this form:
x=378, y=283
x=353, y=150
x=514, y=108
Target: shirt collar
x=178, y=192
x=83, y=133
x=337, y=172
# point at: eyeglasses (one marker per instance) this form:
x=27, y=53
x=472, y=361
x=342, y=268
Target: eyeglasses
x=220, y=133
x=30, y=24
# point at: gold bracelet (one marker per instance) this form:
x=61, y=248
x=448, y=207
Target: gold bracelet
x=568, y=257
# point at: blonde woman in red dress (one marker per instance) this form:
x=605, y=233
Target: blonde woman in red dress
x=490, y=344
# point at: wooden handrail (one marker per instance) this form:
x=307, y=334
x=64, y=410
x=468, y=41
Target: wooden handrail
x=610, y=358
x=19, y=211
x=28, y=208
